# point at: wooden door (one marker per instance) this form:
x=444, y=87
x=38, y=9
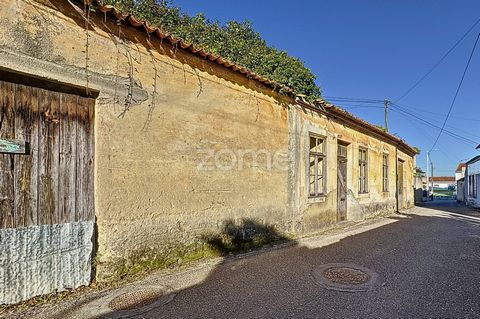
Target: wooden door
x=51, y=181
x=46, y=191
x=400, y=184
x=342, y=182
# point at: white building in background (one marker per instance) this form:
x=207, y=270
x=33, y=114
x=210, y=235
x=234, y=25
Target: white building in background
x=460, y=171
x=443, y=182
x=460, y=179
x=471, y=182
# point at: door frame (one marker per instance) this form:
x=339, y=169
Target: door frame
x=342, y=188
x=400, y=183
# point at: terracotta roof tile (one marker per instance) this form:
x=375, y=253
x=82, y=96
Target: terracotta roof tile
x=442, y=179
x=329, y=108
x=131, y=20
x=460, y=166
x=339, y=111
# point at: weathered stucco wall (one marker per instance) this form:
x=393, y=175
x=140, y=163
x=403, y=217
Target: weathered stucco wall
x=181, y=144
x=177, y=137
x=315, y=213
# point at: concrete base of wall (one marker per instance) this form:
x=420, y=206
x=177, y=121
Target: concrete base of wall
x=473, y=202
x=44, y=259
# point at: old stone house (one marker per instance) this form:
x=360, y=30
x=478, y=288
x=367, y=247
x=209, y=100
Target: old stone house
x=419, y=185
x=132, y=146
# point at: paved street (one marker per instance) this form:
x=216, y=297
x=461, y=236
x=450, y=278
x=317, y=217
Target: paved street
x=427, y=261
x=429, y=266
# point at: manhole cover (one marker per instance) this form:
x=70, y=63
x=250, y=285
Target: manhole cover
x=135, y=299
x=345, y=277
x=131, y=301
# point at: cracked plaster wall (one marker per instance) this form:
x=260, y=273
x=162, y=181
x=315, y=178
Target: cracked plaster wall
x=160, y=114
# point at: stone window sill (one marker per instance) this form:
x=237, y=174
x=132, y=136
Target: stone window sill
x=317, y=199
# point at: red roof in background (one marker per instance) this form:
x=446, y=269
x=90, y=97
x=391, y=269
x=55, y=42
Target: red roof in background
x=442, y=178
x=460, y=166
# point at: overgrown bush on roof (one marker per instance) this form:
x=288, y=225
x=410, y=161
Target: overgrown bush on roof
x=235, y=41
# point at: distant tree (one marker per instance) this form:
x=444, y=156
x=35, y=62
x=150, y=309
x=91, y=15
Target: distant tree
x=417, y=150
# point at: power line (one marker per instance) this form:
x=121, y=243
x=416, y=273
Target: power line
x=346, y=104
x=463, y=140
x=361, y=106
x=401, y=110
x=438, y=62
x=415, y=117
x=440, y=122
x=420, y=110
x=458, y=90
x=362, y=100
x=450, y=156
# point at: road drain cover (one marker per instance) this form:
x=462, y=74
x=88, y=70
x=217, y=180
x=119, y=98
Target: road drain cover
x=131, y=301
x=136, y=299
x=345, y=277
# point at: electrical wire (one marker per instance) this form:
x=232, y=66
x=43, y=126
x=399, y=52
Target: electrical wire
x=421, y=110
x=459, y=137
x=360, y=107
x=415, y=117
x=426, y=133
x=438, y=62
x=346, y=105
x=361, y=100
x=458, y=90
x=440, y=122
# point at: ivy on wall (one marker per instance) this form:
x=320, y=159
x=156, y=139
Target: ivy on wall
x=235, y=41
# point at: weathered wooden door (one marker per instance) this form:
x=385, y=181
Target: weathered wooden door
x=46, y=191
x=400, y=184
x=342, y=182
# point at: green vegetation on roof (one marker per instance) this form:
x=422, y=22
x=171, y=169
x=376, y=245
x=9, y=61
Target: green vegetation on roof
x=235, y=41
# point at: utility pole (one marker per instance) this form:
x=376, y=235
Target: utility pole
x=428, y=180
x=432, y=177
x=385, y=107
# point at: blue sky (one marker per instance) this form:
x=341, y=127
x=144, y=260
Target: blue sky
x=375, y=49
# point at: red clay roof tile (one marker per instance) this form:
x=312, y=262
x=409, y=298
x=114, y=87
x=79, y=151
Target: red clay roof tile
x=131, y=20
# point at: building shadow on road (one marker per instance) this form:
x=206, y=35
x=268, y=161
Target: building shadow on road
x=451, y=206
x=420, y=259
x=243, y=236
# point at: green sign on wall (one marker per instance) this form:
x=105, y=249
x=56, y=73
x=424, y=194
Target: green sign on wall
x=12, y=146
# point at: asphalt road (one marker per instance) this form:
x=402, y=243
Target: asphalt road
x=427, y=261
x=428, y=266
